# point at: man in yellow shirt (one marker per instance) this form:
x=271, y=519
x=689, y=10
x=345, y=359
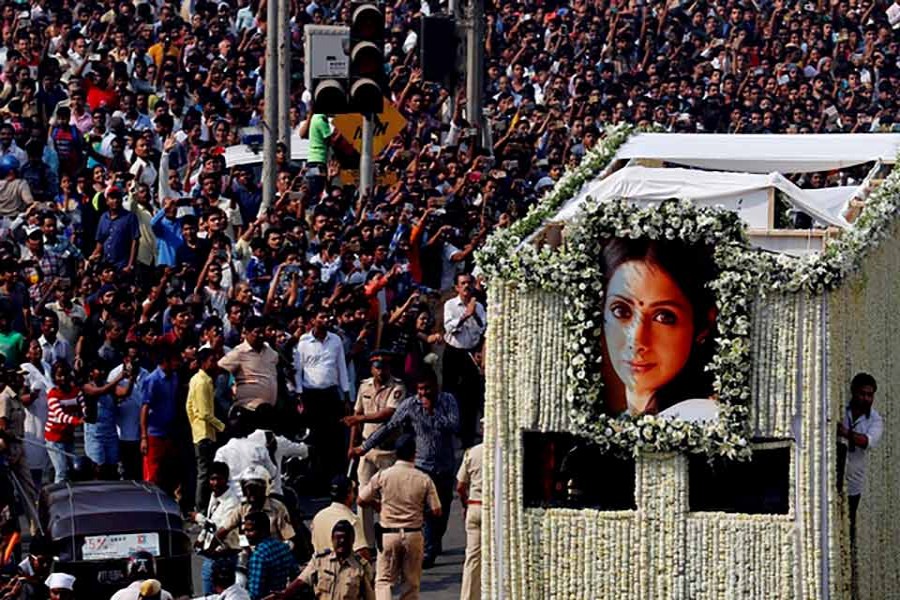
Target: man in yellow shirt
x=204, y=424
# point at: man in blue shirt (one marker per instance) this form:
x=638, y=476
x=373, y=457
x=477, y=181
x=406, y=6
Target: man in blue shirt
x=159, y=422
x=117, y=234
x=271, y=566
x=166, y=227
x=434, y=417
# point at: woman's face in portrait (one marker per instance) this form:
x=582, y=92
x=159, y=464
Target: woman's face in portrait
x=648, y=329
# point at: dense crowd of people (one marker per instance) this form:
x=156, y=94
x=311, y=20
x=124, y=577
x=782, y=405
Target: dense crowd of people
x=150, y=307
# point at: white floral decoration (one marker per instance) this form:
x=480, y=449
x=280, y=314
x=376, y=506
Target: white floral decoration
x=745, y=272
x=734, y=289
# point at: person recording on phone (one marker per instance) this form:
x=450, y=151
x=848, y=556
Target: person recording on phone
x=465, y=321
x=321, y=380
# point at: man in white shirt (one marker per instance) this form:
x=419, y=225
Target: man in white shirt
x=37, y=381
x=222, y=502
x=53, y=347
x=279, y=449
x=861, y=431
x=321, y=379
x=240, y=453
x=464, y=323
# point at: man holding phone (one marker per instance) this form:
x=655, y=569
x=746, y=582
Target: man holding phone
x=465, y=322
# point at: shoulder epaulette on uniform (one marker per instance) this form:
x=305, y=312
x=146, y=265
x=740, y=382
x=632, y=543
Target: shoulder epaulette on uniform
x=324, y=552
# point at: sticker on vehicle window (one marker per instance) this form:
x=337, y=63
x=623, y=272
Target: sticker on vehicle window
x=103, y=547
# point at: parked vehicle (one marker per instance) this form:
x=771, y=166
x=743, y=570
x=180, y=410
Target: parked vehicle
x=97, y=525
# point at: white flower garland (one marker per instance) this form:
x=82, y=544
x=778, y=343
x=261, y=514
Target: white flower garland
x=734, y=288
x=573, y=268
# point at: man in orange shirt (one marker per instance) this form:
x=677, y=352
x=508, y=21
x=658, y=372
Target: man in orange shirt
x=164, y=47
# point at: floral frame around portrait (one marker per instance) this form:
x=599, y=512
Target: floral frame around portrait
x=734, y=287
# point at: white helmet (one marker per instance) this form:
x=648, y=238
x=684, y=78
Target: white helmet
x=255, y=473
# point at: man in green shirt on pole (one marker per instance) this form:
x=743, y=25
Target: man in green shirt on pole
x=318, y=130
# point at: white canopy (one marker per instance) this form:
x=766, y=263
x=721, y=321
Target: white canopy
x=242, y=154
x=745, y=193
x=764, y=153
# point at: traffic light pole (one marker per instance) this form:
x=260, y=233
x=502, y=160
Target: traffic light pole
x=475, y=67
x=284, y=74
x=271, y=124
x=366, y=158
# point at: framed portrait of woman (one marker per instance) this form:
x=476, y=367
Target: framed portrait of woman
x=658, y=328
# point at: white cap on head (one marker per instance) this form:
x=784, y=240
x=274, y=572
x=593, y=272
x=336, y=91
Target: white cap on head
x=60, y=581
x=256, y=473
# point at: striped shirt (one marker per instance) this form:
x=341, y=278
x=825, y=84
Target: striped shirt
x=63, y=414
x=434, y=432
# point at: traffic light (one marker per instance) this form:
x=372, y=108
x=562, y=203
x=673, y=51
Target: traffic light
x=367, y=76
x=327, y=74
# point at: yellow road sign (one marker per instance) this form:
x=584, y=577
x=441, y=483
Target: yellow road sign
x=351, y=177
x=388, y=123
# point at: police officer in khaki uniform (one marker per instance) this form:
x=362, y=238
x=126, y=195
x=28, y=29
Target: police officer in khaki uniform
x=469, y=489
x=343, y=497
x=336, y=574
x=376, y=402
x=401, y=491
x=12, y=432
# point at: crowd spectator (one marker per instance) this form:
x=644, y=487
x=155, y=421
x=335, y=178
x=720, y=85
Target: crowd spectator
x=159, y=414
x=204, y=424
x=217, y=551
x=137, y=269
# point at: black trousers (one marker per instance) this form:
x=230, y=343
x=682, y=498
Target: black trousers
x=203, y=454
x=462, y=378
x=323, y=410
x=436, y=527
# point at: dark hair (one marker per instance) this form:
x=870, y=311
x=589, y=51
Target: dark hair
x=167, y=353
x=344, y=526
x=458, y=275
x=260, y=521
x=406, y=447
x=223, y=573
x=203, y=354
x=692, y=268
x=340, y=487
x=211, y=322
x=862, y=380
x=427, y=376
x=220, y=469
x=40, y=546
x=254, y=322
